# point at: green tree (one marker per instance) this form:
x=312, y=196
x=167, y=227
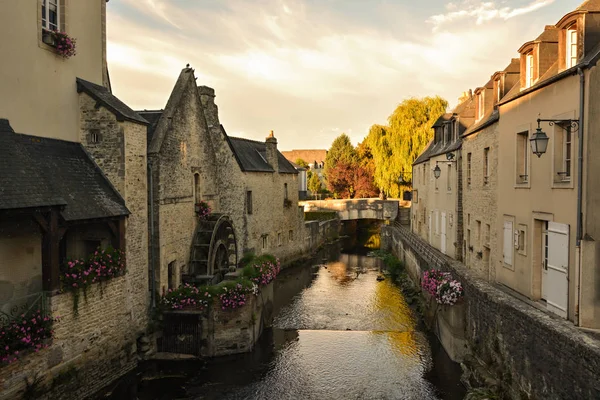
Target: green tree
x=302, y=163
x=396, y=146
x=341, y=150
x=314, y=184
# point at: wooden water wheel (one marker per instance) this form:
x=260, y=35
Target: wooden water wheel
x=213, y=252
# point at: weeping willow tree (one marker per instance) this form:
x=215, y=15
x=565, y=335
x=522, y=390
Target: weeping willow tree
x=395, y=146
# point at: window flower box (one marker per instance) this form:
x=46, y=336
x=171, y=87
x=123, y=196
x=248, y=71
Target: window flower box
x=64, y=44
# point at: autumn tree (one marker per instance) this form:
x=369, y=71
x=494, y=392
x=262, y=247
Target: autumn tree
x=395, y=146
x=350, y=181
x=341, y=150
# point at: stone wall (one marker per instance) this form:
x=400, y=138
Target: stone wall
x=90, y=349
x=480, y=202
x=532, y=354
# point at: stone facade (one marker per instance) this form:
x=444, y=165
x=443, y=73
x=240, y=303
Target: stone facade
x=479, y=201
x=192, y=159
x=90, y=349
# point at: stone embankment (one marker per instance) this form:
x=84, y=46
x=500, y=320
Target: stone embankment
x=504, y=341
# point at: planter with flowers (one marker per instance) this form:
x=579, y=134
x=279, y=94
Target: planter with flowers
x=101, y=266
x=64, y=44
x=203, y=210
x=31, y=332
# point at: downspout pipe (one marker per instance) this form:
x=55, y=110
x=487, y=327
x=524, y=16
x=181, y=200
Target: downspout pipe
x=580, y=191
x=152, y=256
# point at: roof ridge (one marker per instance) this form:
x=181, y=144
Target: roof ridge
x=247, y=140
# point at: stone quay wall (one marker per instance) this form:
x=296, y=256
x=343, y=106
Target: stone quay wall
x=89, y=350
x=531, y=354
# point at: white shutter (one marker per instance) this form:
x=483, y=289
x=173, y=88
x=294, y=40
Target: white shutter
x=508, y=243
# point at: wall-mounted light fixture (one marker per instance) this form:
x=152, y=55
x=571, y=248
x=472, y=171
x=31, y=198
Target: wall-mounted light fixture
x=539, y=140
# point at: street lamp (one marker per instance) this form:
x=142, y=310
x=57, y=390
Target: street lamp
x=539, y=140
x=404, y=177
x=437, y=171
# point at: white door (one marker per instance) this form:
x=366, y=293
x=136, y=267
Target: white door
x=545, y=262
x=557, y=269
x=443, y=234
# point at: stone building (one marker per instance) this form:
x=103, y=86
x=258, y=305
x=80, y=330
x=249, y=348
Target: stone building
x=72, y=179
x=314, y=158
x=480, y=181
x=530, y=223
x=249, y=185
x=437, y=206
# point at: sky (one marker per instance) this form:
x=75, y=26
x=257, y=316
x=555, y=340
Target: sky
x=313, y=69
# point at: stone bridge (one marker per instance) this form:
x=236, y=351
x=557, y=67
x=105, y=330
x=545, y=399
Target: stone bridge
x=352, y=209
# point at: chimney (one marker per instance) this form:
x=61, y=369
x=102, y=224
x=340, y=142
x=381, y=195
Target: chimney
x=272, y=154
x=5, y=126
x=211, y=111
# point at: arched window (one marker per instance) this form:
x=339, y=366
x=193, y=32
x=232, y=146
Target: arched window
x=285, y=191
x=197, y=188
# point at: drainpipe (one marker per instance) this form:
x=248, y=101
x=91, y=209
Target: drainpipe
x=152, y=257
x=579, y=194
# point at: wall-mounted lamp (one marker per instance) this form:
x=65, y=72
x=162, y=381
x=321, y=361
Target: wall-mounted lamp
x=539, y=140
x=437, y=171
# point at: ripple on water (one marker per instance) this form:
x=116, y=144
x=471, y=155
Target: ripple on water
x=346, y=365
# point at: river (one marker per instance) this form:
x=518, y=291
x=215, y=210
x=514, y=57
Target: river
x=338, y=334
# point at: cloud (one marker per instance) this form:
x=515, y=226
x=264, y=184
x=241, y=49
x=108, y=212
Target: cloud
x=483, y=11
x=300, y=68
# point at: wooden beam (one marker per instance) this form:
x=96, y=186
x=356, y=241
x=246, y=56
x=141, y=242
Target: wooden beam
x=122, y=231
x=39, y=218
x=51, y=253
x=113, y=228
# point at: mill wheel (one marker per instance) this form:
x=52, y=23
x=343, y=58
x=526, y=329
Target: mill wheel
x=214, y=250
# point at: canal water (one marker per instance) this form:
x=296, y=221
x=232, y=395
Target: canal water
x=338, y=334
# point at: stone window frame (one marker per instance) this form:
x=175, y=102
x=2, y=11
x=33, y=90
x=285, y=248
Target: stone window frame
x=570, y=59
x=561, y=180
x=249, y=207
x=63, y=6
x=480, y=104
x=486, y=166
x=529, y=70
x=265, y=241
x=521, y=239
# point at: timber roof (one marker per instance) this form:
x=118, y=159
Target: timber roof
x=42, y=172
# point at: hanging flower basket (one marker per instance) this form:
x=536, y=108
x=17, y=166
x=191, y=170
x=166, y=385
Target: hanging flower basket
x=202, y=210
x=441, y=286
x=64, y=44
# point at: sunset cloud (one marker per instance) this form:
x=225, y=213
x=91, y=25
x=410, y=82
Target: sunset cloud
x=301, y=67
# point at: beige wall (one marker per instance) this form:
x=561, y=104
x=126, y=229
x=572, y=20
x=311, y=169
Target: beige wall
x=20, y=259
x=540, y=198
x=432, y=202
x=38, y=86
x=480, y=201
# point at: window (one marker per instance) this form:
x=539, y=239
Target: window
x=291, y=236
x=51, y=15
x=279, y=239
x=486, y=165
x=249, y=201
x=469, y=246
x=480, y=104
x=571, y=50
x=171, y=270
x=478, y=235
x=265, y=241
x=486, y=236
x=468, y=219
x=563, y=149
x=94, y=136
x=529, y=69
x=91, y=246
x=197, y=188
x=498, y=90
x=285, y=191
x=522, y=158
x=448, y=178
x=468, y=168
x=508, y=243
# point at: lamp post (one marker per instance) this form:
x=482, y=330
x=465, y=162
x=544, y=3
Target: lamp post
x=539, y=140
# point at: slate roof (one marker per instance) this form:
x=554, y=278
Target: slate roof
x=108, y=100
x=252, y=156
x=42, y=172
x=152, y=116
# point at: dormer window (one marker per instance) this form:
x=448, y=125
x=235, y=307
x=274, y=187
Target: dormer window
x=529, y=69
x=571, y=50
x=480, y=104
x=51, y=15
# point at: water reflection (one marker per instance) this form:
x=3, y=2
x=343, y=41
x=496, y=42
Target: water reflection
x=338, y=334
